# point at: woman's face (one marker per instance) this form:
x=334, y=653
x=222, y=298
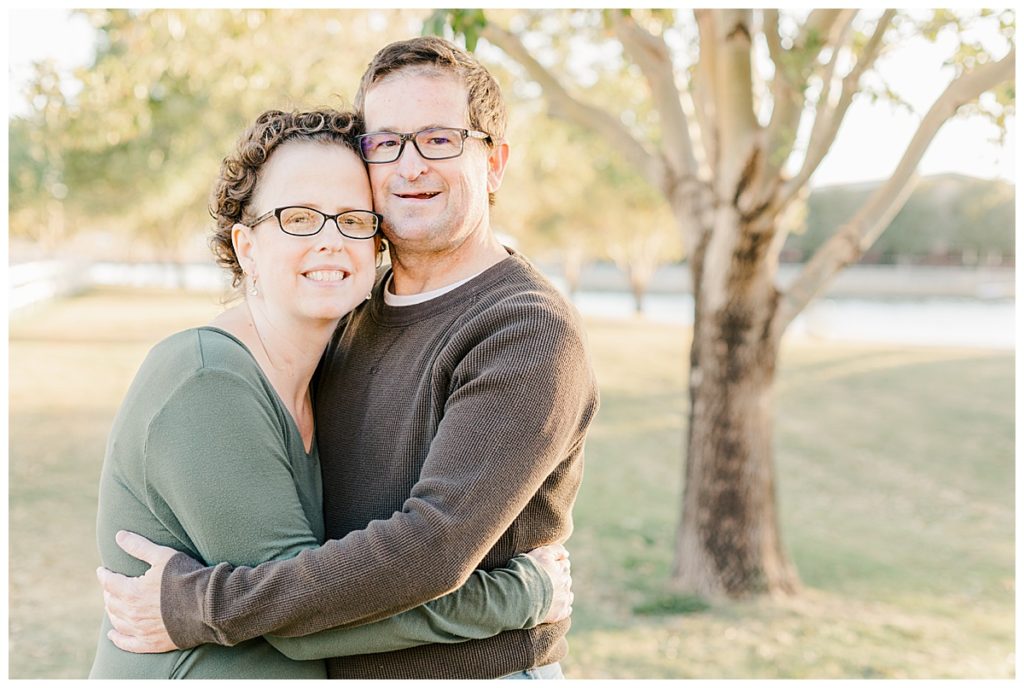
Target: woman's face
x=322, y=276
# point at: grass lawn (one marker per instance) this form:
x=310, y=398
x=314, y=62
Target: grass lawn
x=895, y=474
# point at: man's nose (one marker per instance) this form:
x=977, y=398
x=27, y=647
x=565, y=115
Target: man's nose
x=410, y=163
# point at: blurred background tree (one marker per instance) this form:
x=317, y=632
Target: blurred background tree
x=966, y=221
x=118, y=160
x=135, y=140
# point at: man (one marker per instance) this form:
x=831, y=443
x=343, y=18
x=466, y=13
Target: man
x=451, y=412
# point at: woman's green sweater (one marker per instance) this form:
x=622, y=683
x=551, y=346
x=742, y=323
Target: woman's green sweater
x=205, y=458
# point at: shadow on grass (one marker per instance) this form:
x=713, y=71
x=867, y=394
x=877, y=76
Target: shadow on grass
x=671, y=604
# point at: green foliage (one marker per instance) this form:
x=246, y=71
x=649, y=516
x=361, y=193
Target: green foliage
x=25, y=184
x=458, y=23
x=567, y=191
x=940, y=20
x=435, y=23
x=567, y=195
x=131, y=144
x=166, y=96
x=946, y=214
x=963, y=24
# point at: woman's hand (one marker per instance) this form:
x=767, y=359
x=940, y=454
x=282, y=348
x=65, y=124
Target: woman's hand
x=554, y=559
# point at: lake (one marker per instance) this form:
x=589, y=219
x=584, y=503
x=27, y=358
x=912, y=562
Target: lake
x=919, y=320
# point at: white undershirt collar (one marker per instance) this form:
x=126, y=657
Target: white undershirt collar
x=413, y=299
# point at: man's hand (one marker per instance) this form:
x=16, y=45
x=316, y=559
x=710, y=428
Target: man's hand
x=554, y=559
x=133, y=604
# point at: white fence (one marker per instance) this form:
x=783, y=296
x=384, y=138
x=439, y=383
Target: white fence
x=39, y=281
x=43, y=280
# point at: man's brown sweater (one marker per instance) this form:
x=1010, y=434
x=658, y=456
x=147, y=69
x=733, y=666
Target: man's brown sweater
x=451, y=438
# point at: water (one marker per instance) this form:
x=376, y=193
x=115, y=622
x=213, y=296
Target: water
x=918, y=322
x=943, y=321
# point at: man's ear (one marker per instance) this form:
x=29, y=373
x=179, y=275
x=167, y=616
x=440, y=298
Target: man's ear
x=496, y=162
x=245, y=247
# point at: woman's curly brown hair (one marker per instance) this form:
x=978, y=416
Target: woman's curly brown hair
x=240, y=171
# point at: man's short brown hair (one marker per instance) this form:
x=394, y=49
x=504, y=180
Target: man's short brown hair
x=431, y=55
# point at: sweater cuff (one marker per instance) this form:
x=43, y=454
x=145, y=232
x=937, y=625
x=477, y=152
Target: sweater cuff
x=538, y=581
x=182, y=593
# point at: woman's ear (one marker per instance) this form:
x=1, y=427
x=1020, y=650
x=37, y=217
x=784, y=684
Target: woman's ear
x=245, y=247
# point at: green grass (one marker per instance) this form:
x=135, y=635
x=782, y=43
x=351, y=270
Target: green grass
x=895, y=475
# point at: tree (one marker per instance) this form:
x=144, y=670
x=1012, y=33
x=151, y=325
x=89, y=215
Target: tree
x=723, y=146
x=966, y=218
x=547, y=198
x=37, y=181
x=642, y=239
x=569, y=196
x=136, y=143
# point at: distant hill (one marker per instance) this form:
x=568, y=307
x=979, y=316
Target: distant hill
x=949, y=219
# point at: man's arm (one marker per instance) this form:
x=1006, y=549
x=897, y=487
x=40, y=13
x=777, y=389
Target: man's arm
x=228, y=488
x=518, y=595
x=530, y=589
x=523, y=397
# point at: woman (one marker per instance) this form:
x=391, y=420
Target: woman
x=213, y=451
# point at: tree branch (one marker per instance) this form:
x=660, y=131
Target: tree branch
x=850, y=242
x=786, y=100
x=704, y=88
x=737, y=123
x=783, y=89
x=770, y=26
x=823, y=23
x=824, y=131
x=652, y=167
x=828, y=76
x=788, y=88
x=652, y=55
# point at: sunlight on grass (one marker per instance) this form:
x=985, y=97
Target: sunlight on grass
x=895, y=475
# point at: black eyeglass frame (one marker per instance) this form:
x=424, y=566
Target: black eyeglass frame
x=276, y=212
x=466, y=133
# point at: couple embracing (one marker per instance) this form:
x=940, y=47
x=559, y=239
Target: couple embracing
x=355, y=472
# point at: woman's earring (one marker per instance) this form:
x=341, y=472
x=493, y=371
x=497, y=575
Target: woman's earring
x=369, y=295
x=253, y=291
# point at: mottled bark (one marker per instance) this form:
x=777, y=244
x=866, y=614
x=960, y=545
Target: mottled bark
x=728, y=542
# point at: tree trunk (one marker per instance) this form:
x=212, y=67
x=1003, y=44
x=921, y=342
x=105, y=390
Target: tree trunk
x=53, y=234
x=572, y=268
x=638, y=287
x=728, y=540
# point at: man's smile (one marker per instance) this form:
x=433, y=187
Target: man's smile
x=418, y=196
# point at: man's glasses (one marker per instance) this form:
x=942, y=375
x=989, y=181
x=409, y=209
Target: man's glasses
x=302, y=221
x=432, y=144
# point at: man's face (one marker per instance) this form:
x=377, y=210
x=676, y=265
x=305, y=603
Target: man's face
x=430, y=206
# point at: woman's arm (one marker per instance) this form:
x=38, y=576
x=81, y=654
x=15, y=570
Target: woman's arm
x=219, y=476
x=515, y=596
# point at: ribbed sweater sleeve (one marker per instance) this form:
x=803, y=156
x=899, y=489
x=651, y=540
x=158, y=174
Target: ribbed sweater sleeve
x=521, y=395
x=521, y=592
